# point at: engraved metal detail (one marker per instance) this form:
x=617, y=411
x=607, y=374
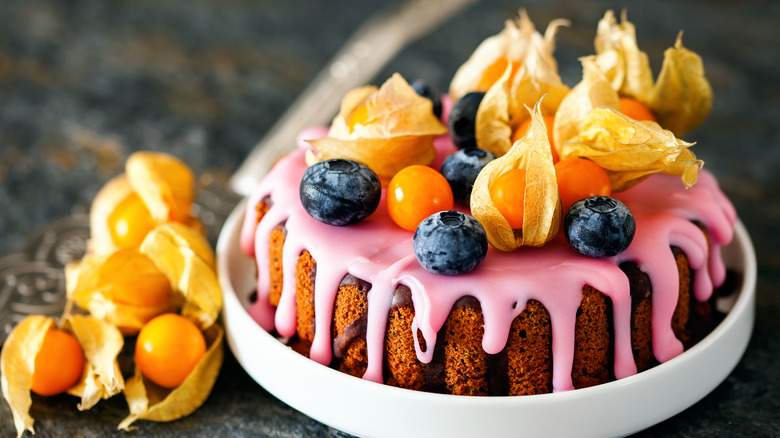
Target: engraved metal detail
x=33, y=281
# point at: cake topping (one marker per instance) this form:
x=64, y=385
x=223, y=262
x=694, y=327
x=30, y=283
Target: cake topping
x=340, y=192
x=531, y=73
x=680, y=99
x=630, y=150
x=461, y=169
x=415, y=193
x=599, y=226
x=541, y=212
x=386, y=128
x=450, y=243
x=427, y=91
x=580, y=178
x=463, y=119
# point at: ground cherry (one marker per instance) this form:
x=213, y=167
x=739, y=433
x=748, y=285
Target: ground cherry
x=130, y=222
x=58, y=365
x=635, y=109
x=580, y=178
x=168, y=348
x=508, y=194
x=523, y=128
x=494, y=72
x=415, y=193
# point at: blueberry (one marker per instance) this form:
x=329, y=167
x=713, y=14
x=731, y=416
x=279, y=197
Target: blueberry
x=599, y=226
x=340, y=192
x=461, y=169
x=423, y=89
x=462, y=119
x=450, y=243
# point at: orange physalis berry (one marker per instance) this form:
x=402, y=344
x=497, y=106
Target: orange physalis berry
x=635, y=109
x=168, y=348
x=58, y=364
x=580, y=178
x=508, y=194
x=494, y=72
x=415, y=193
x=130, y=222
x=548, y=122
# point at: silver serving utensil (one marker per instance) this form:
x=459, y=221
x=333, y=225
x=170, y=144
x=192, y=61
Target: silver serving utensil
x=33, y=281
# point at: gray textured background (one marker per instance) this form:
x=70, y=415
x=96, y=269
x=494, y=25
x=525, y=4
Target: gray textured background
x=83, y=84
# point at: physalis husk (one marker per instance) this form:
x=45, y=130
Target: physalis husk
x=542, y=206
x=631, y=150
x=124, y=288
x=148, y=401
x=156, y=188
x=386, y=128
x=100, y=343
x=184, y=256
x=680, y=99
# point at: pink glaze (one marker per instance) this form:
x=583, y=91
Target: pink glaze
x=379, y=252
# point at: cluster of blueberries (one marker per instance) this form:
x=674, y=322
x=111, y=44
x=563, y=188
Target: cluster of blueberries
x=342, y=192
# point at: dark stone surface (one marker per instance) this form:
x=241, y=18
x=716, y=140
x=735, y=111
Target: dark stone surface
x=85, y=83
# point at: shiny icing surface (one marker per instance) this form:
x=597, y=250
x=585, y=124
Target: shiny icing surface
x=380, y=253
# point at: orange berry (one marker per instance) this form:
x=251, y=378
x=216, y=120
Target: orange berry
x=494, y=72
x=58, y=365
x=548, y=122
x=508, y=194
x=580, y=178
x=635, y=109
x=130, y=222
x=415, y=193
x=168, y=348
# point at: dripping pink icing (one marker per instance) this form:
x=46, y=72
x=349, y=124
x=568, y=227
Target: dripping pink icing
x=377, y=251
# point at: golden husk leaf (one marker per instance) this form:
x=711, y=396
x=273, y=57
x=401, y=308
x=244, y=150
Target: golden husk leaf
x=106, y=201
x=387, y=129
x=148, y=401
x=619, y=57
x=593, y=91
x=542, y=206
x=166, y=184
x=631, y=150
x=518, y=43
x=682, y=96
x=184, y=256
x=17, y=363
x=102, y=342
x=680, y=99
x=125, y=288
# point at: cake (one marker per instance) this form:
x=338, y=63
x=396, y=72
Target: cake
x=537, y=319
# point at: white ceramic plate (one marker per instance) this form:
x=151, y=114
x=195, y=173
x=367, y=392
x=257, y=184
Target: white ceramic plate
x=369, y=409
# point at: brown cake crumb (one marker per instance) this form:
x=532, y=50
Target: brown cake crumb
x=304, y=295
x=465, y=363
x=529, y=351
x=592, y=340
x=403, y=369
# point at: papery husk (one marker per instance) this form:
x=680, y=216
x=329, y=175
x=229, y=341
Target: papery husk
x=595, y=90
x=680, y=99
x=631, y=150
x=387, y=129
x=101, y=342
x=99, y=284
x=186, y=258
x=682, y=96
x=106, y=201
x=17, y=363
x=619, y=57
x=166, y=185
x=542, y=205
x=517, y=42
x=148, y=401
x=503, y=108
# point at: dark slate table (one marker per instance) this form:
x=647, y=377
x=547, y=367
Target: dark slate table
x=85, y=83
